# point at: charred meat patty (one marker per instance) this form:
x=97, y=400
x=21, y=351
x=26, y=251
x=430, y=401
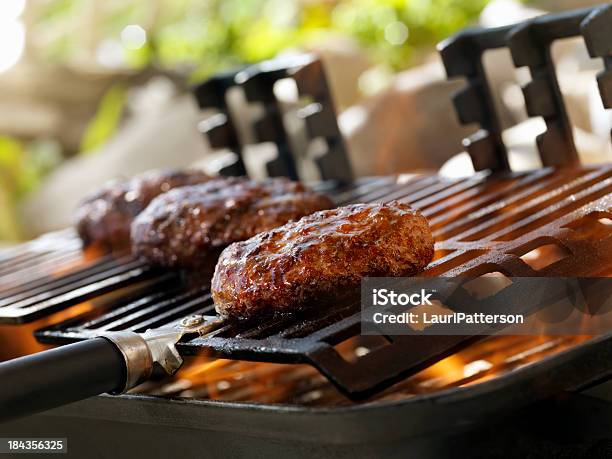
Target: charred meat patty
x=189, y=226
x=105, y=217
x=296, y=265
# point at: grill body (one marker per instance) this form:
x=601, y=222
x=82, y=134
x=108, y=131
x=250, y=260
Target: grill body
x=441, y=425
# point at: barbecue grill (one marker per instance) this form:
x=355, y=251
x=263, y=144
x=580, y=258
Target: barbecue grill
x=554, y=221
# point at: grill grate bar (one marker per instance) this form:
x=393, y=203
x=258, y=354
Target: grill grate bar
x=408, y=195
x=64, y=287
x=20, y=312
x=252, y=330
x=465, y=214
x=43, y=256
x=394, y=188
x=415, y=185
x=452, y=260
x=330, y=325
x=361, y=190
x=450, y=192
x=124, y=315
x=88, y=324
x=199, y=305
x=49, y=242
x=568, y=204
x=42, y=271
x=531, y=204
x=52, y=242
x=22, y=261
x=138, y=318
x=48, y=283
x=33, y=260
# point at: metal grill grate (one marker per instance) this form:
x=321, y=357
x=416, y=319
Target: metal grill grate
x=40, y=291
x=50, y=253
x=482, y=224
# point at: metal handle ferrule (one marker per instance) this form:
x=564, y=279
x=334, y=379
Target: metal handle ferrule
x=137, y=356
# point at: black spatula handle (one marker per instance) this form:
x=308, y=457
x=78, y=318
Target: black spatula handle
x=59, y=376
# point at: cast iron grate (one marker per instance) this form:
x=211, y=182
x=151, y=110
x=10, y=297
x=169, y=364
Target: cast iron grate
x=482, y=225
x=316, y=109
x=530, y=44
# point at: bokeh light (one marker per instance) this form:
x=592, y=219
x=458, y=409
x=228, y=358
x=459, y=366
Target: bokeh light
x=12, y=33
x=133, y=36
x=396, y=33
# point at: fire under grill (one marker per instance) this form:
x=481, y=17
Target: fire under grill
x=549, y=222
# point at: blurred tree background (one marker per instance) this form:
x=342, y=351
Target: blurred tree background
x=202, y=36
x=193, y=39
x=105, y=43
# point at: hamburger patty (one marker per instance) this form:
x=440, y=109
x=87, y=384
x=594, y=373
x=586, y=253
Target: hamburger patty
x=296, y=265
x=189, y=226
x=105, y=216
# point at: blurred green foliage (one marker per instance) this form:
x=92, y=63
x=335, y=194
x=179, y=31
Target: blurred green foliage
x=11, y=156
x=206, y=35
x=106, y=120
x=22, y=166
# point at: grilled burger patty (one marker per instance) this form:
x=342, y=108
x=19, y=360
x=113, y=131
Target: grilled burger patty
x=105, y=217
x=188, y=226
x=297, y=264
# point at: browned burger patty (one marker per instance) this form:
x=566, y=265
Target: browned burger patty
x=297, y=264
x=188, y=227
x=105, y=217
